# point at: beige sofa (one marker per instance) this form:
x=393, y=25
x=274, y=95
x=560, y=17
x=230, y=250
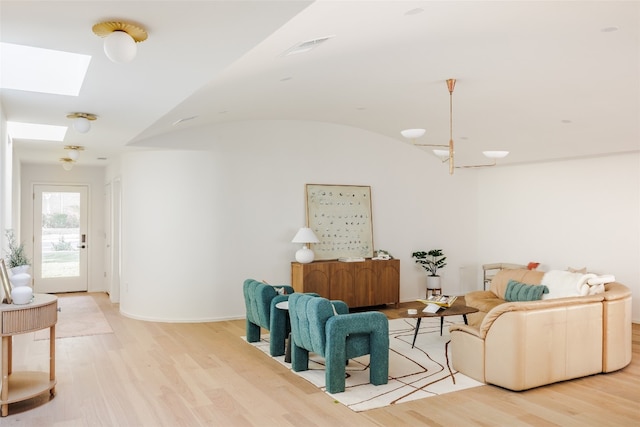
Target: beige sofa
x=521, y=345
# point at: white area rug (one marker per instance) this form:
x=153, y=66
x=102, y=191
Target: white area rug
x=414, y=373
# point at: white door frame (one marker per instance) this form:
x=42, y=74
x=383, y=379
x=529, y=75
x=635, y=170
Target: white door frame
x=112, y=231
x=73, y=283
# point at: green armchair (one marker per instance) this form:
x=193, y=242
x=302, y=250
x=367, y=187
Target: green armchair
x=337, y=336
x=260, y=300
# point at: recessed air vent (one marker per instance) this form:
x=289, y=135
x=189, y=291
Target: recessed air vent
x=305, y=46
x=186, y=119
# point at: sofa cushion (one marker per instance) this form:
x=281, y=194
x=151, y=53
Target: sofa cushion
x=517, y=291
x=522, y=275
x=484, y=301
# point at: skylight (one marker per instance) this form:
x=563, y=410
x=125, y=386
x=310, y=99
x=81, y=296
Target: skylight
x=19, y=130
x=35, y=69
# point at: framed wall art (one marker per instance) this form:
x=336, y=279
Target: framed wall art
x=340, y=216
x=6, y=284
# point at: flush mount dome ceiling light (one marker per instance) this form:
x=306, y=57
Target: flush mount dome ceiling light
x=120, y=39
x=67, y=163
x=82, y=121
x=448, y=154
x=73, y=151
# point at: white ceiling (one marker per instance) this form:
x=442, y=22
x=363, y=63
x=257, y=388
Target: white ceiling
x=523, y=68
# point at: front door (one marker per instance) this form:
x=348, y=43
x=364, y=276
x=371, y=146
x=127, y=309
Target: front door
x=60, y=238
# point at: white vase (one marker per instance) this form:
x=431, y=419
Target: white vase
x=20, y=276
x=22, y=295
x=20, y=269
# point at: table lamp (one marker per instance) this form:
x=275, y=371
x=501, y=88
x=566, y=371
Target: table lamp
x=305, y=235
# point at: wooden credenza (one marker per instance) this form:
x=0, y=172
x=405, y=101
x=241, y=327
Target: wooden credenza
x=19, y=319
x=359, y=284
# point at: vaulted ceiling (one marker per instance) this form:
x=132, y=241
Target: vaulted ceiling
x=543, y=79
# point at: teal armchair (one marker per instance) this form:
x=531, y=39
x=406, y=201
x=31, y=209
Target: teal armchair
x=316, y=328
x=260, y=300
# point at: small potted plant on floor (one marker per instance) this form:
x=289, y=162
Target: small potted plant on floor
x=431, y=261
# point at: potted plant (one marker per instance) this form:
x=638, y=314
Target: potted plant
x=17, y=260
x=431, y=261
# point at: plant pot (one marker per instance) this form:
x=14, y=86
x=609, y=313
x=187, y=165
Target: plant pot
x=433, y=282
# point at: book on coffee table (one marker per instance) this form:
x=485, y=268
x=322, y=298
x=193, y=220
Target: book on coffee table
x=441, y=300
x=431, y=308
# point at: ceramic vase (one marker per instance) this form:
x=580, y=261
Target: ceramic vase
x=20, y=276
x=22, y=295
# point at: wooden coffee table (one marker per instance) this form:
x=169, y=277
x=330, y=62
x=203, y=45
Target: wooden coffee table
x=457, y=309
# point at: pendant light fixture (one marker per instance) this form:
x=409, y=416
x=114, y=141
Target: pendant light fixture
x=120, y=39
x=448, y=155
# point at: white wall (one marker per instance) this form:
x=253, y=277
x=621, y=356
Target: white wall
x=579, y=213
x=54, y=174
x=9, y=184
x=196, y=224
x=9, y=188
x=5, y=186
x=225, y=206
x=6, y=159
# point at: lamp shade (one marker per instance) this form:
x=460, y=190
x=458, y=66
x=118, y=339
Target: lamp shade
x=305, y=235
x=81, y=124
x=443, y=154
x=412, y=133
x=120, y=47
x=67, y=166
x=495, y=154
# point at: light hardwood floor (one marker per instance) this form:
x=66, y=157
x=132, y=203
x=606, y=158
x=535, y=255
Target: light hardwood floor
x=161, y=374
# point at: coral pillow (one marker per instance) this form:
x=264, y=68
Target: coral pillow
x=517, y=291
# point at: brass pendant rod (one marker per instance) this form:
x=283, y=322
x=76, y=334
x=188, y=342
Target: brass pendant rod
x=431, y=145
x=451, y=84
x=477, y=166
x=451, y=157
